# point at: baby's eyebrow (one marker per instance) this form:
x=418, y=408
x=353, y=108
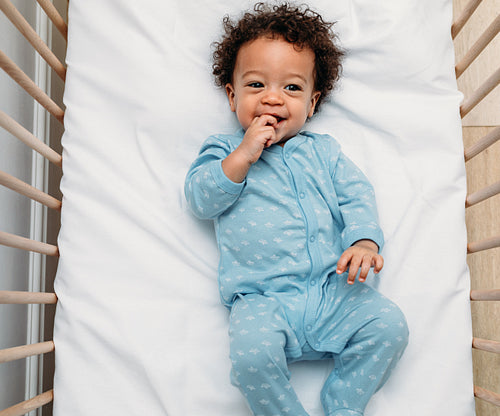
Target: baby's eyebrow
x=299, y=76
x=290, y=75
x=252, y=73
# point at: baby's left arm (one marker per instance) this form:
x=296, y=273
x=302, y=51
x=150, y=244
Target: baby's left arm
x=362, y=237
x=362, y=255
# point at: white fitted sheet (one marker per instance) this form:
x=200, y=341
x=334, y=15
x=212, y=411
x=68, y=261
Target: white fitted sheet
x=139, y=328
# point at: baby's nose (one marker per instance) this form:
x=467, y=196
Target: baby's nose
x=272, y=97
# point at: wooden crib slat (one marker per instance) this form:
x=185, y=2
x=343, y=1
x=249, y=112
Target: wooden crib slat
x=480, y=93
x=469, y=9
x=24, y=351
x=482, y=194
x=55, y=17
x=30, y=34
x=30, y=87
x=25, y=298
x=25, y=189
x=478, y=47
x=486, y=345
x=482, y=245
x=29, y=405
x=14, y=128
x=485, y=295
x=15, y=241
x=482, y=144
x=479, y=392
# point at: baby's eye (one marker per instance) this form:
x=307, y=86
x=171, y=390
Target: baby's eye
x=293, y=87
x=255, y=84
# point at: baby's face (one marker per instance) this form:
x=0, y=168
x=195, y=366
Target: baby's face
x=272, y=77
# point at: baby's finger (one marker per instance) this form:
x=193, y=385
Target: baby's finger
x=365, y=268
x=378, y=263
x=272, y=137
x=262, y=131
x=343, y=262
x=265, y=120
x=353, y=270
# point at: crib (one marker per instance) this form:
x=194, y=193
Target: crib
x=472, y=36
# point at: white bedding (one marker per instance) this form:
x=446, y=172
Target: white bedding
x=139, y=328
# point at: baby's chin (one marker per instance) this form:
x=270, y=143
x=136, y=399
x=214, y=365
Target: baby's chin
x=285, y=135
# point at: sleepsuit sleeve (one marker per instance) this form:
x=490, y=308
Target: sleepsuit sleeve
x=357, y=205
x=209, y=192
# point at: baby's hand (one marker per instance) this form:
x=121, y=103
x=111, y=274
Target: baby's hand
x=259, y=135
x=361, y=255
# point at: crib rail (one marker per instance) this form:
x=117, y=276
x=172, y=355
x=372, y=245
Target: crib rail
x=24, y=351
x=25, y=298
x=464, y=17
x=29, y=405
x=482, y=144
x=27, y=190
x=30, y=87
x=30, y=34
x=487, y=194
x=479, y=147
x=485, y=295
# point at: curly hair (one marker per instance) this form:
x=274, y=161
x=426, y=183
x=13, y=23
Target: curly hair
x=298, y=25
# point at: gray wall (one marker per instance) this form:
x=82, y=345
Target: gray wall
x=15, y=159
x=15, y=210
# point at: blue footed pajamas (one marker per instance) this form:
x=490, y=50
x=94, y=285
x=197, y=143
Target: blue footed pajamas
x=280, y=234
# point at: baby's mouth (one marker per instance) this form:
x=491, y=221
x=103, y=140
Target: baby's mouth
x=278, y=118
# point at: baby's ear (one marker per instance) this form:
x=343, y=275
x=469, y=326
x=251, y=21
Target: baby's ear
x=314, y=99
x=230, y=96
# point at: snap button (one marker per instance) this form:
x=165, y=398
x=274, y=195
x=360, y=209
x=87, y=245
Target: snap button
x=312, y=239
x=313, y=282
x=302, y=195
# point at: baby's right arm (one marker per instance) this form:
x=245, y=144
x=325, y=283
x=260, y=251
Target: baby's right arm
x=209, y=192
x=259, y=135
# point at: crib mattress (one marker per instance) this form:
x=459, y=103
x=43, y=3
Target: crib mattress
x=139, y=326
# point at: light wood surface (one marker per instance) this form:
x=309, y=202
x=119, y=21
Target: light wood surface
x=29, y=191
x=16, y=241
x=485, y=295
x=55, y=17
x=30, y=87
x=29, y=405
x=481, y=144
x=486, y=345
x=482, y=223
x=14, y=128
x=23, y=298
x=480, y=45
x=487, y=112
x=24, y=351
x=463, y=13
x=480, y=94
x=483, y=172
x=488, y=395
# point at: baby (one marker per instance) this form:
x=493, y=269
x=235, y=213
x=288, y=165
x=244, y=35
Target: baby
x=296, y=222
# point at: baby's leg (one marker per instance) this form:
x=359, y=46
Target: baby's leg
x=372, y=350
x=259, y=335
